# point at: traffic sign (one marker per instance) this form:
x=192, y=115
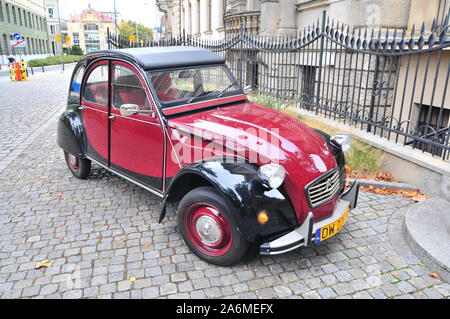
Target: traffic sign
x=17, y=36
x=58, y=38
x=132, y=37
x=17, y=43
x=67, y=39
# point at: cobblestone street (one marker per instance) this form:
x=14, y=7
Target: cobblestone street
x=102, y=233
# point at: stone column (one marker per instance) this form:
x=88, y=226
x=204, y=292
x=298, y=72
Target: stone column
x=216, y=14
x=187, y=17
x=204, y=16
x=195, y=14
x=269, y=16
x=288, y=13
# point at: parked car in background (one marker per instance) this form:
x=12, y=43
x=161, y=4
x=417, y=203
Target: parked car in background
x=175, y=121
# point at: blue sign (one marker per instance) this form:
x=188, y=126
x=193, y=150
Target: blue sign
x=17, y=36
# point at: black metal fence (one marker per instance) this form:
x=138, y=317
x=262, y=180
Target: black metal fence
x=391, y=83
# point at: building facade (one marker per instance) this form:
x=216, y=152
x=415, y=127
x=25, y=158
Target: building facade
x=28, y=18
x=89, y=30
x=56, y=25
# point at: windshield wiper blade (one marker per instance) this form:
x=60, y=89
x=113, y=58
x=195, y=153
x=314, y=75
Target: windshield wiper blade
x=226, y=89
x=197, y=96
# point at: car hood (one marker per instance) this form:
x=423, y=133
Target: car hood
x=263, y=135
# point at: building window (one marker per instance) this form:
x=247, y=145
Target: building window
x=8, y=16
x=1, y=11
x=13, y=9
x=52, y=29
x=92, y=42
x=90, y=27
x=19, y=13
x=76, y=39
x=50, y=12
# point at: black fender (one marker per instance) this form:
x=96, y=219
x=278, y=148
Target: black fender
x=70, y=133
x=241, y=186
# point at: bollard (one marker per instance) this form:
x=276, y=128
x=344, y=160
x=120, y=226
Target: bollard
x=23, y=71
x=11, y=72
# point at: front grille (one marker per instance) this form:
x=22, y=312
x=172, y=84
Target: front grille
x=323, y=189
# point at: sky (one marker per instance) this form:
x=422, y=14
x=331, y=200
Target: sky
x=142, y=11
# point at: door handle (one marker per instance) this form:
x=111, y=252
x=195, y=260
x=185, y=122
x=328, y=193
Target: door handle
x=112, y=117
x=81, y=107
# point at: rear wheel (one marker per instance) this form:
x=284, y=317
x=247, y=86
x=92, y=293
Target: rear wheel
x=80, y=168
x=207, y=227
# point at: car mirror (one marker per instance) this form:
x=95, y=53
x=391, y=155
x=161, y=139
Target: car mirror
x=129, y=109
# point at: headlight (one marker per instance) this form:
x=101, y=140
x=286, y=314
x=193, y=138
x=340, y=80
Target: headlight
x=344, y=141
x=273, y=173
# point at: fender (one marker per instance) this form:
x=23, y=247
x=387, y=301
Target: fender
x=71, y=135
x=241, y=186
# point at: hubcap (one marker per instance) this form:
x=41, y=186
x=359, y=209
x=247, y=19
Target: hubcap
x=208, y=229
x=73, y=161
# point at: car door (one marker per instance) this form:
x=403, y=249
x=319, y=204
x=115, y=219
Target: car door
x=94, y=102
x=137, y=141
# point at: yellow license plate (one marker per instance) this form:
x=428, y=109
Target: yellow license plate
x=332, y=229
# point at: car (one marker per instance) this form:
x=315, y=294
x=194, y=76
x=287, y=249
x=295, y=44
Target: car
x=247, y=179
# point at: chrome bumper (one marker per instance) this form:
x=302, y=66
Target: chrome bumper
x=306, y=233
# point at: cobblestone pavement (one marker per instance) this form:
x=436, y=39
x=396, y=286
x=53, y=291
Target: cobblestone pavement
x=101, y=232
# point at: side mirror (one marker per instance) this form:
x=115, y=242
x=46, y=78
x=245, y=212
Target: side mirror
x=129, y=109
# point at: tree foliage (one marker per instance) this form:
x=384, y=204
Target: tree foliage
x=126, y=28
x=76, y=50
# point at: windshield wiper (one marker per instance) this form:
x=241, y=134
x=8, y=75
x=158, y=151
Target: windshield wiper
x=197, y=96
x=226, y=89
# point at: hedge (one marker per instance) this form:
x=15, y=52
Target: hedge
x=54, y=60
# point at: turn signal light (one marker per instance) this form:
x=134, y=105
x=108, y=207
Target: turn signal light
x=263, y=217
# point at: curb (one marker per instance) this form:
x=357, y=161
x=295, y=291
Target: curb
x=381, y=184
x=421, y=235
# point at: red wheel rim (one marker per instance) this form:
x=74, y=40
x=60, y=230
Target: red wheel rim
x=208, y=229
x=73, y=162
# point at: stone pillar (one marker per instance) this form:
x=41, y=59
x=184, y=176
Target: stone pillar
x=216, y=14
x=187, y=17
x=288, y=13
x=269, y=16
x=204, y=16
x=195, y=15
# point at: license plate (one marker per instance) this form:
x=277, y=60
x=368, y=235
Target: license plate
x=332, y=229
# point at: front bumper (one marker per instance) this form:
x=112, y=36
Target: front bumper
x=305, y=234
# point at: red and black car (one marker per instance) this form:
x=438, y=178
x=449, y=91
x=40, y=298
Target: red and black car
x=175, y=121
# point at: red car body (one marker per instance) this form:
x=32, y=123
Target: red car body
x=149, y=148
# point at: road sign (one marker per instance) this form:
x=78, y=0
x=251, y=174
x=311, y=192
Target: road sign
x=17, y=36
x=132, y=37
x=58, y=38
x=67, y=39
x=17, y=43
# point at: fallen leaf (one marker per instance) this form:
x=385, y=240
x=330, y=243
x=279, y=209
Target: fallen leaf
x=45, y=263
x=420, y=293
x=133, y=279
x=147, y=245
x=123, y=190
x=435, y=275
x=394, y=273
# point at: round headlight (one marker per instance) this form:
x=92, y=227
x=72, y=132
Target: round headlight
x=344, y=141
x=274, y=174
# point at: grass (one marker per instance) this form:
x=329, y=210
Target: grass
x=361, y=158
x=54, y=60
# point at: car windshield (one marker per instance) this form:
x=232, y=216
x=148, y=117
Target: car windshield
x=180, y=86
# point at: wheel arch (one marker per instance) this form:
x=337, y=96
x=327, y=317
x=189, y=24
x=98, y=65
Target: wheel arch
x=71, y=134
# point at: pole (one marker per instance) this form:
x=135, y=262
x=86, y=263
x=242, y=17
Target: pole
x=115, y=18
x=60, y=35
x=322, y=38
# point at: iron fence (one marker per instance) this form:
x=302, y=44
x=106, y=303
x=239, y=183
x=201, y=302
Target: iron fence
x=391, y=83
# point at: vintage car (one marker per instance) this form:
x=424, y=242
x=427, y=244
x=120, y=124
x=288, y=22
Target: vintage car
x=175, y=121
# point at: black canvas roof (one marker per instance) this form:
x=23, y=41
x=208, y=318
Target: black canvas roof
x=166, y=57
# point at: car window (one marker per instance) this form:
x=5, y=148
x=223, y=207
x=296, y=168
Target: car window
x=96, y=87
x=128, y=89
x=178, y=85
x=75, y=86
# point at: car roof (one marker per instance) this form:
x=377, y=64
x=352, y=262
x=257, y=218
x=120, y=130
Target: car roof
x=153, y=58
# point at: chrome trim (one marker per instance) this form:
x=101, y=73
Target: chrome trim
x=217, y=99
x=318, y=179
x=151, y=190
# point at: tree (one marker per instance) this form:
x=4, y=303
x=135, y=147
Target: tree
x=76, y=50
x=126, y=28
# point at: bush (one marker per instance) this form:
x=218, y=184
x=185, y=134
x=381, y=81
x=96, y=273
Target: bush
x=76, y=50
x=54, y=60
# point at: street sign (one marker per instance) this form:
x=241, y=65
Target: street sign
x=17, y=36
x=17, y=43
x=132, y=37
x=58, y=38
x=67, y=39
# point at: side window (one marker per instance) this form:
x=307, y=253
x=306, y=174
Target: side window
x=75, y=86
x=96, y=87
x=127, y=89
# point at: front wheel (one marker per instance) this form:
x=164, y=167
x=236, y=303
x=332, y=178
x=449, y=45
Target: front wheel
x=80, y=168
x=207, y=227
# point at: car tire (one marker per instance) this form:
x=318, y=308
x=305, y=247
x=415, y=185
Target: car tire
x=207, y=226
x=80, y=168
